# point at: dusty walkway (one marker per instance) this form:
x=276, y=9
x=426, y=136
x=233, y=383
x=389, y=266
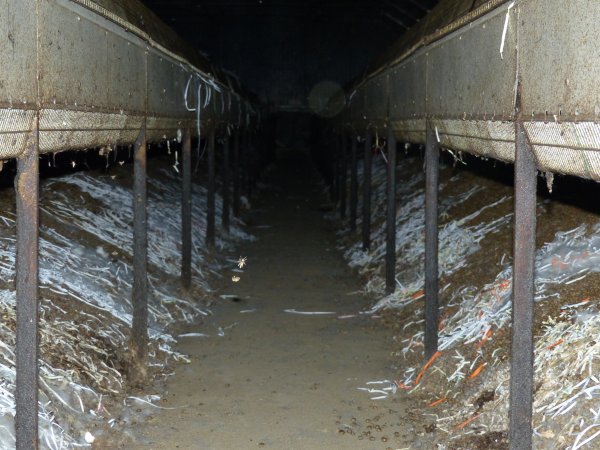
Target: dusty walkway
x=279, y=380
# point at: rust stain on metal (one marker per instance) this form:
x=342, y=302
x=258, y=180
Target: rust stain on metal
x=27, y=187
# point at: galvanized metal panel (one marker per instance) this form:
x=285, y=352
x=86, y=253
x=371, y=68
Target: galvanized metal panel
x=376, y=100
x=490, y=139
x=64, y=129
x=72, y=57
x=167, y=82
x=411, y=130
x=357, y=108
x=221, y=107
x=342, y=118
x=470, y=88
x=18, y=87
x=209, y=115
x=126, y=60
x=407, y=88
x=559, y=58
x=226, y=116
x=582, y=163
x=569, y=148
x=160, y=128
x=15, y=127
x=467, y=76
x=99, y=76
x=578, y=136
x=93, y=88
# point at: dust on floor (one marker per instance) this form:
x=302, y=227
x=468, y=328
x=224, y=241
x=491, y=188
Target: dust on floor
x=265, y=377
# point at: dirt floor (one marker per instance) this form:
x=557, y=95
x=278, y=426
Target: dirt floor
x=261, y=377
x=265, y=378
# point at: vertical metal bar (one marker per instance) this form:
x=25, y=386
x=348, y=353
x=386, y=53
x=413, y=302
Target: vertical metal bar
x=521, y=367
x=432, y=168
x=210, y=200
x=366, y=222
x=353, y=185
x=236, y=174
x=343, y=175
x=186, y=212
x=26, y=395
x=390, y=254
x=225, y=193
x=139, y=329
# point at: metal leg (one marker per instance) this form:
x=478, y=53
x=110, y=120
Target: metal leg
x=366, y=223
x=390, y=255
x=236, y=175
x=353, y=185
x=26, y=395
x=139, y=330
x=225, y=193
x=521, y=367
x=431, y=243
x=210, y=201
x=186, y=212
x=343, y=175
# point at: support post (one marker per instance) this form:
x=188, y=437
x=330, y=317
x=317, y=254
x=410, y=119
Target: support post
x=236, y=174
x=343, y=175
x=210, y=201
x=138, y=343
x=353, y=185
x=521, y=366
x=225, y=193
x=366, y=222
x=432, y=169
x=26, y=394
x=186, y=212
x=390, y=254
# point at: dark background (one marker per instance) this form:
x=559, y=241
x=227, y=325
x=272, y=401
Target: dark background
x=281, y=49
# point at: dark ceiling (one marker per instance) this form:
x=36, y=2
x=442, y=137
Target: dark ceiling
x=281, y=49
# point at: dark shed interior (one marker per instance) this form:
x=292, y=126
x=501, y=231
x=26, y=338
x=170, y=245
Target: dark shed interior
x=299, y=224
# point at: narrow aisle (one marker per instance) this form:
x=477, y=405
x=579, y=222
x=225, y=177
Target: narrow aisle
x=280, y=380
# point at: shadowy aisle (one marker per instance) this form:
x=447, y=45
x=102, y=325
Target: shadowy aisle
x=279, y=380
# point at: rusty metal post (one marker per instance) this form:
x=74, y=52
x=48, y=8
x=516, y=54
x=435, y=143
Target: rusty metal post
x=390, y=248
x=366, y=222
x=236, y=174
x=210, y=200
x=353, y=185
x=225, y=193
x=186, y=212
x=432, y=169
x=139, y=331
x=521, y=366
x=26, y=394
x=343, y=174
